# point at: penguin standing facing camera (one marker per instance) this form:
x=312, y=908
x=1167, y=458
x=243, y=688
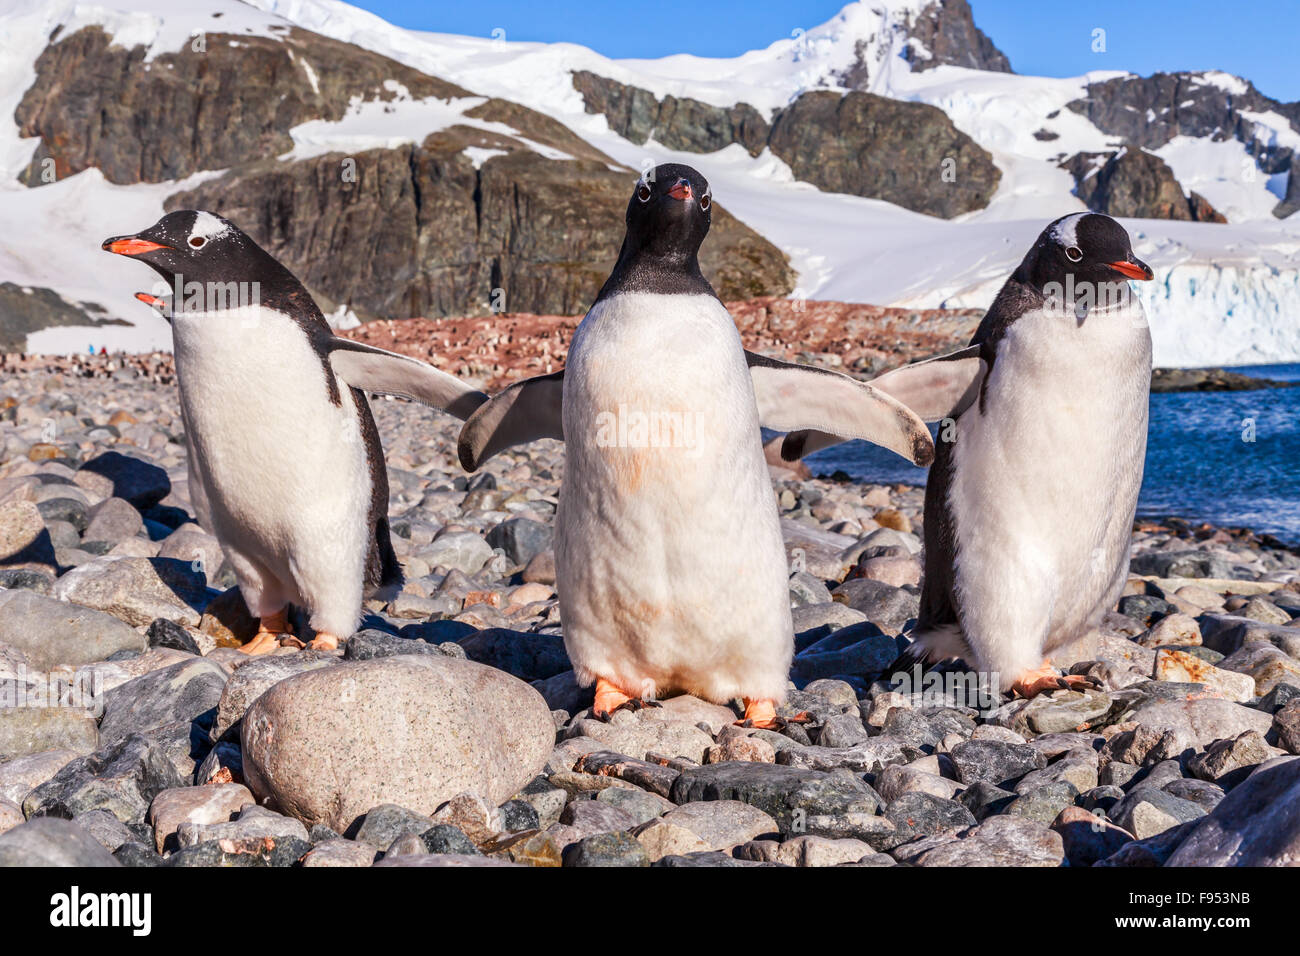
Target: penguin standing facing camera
x=285, y=464
x=670, y=565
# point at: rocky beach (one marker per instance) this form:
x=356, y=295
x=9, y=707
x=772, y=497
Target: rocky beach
x=449, y=730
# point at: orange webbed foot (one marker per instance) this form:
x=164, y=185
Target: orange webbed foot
x=270, y=631
x=761, y=713
x=324, y=641
x=1045, y=679
x=610, y=699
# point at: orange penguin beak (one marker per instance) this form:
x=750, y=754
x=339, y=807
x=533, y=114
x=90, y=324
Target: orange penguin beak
x=130, y=246
x=681, y=190
x=1132, y=269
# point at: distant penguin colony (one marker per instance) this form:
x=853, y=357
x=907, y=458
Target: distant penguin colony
x=671, y=568
x=285, y=466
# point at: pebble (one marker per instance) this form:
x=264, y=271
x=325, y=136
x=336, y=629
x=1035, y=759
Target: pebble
x=218, y=803
x=185, y=692
x=1147, y=811
x=1000, y=841
x=1088, y=837
x=1177, y=665
x=1286, y=726
x=21, y=775
x=32, y=730
x=137, y=590
x=1201, y=721
x=607, y=849
x=807, y=851
x=123, y=778
x=340, y=853
x=251, y=823
x=1256, y=824
x=1229, y=761
x=722, y=824
x=995, y=761
x=1199, y=672
x=111, y=832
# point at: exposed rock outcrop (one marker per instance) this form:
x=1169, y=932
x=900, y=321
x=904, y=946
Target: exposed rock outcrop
x=684, y=124
x=414, y=230
x=1149, y=111
x=421, y=231
x=909, y=154
x=945, y=33
x=1137, y=184
x=98, y=104
x=24, y=310
x=858, y=143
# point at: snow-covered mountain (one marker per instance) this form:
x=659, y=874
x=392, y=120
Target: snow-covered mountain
x=871, y=216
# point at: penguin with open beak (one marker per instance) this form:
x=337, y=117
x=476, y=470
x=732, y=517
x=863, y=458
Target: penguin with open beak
x=285, y=464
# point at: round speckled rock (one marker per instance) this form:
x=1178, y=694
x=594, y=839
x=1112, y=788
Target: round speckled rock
x=328, y=745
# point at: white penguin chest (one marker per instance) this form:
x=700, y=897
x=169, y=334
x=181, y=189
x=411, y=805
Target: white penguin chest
x=1055, y=454
x=656, y=395
x=668, y=546
x=271, y=447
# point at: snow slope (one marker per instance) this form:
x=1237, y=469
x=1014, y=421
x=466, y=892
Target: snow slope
x=1225, y=294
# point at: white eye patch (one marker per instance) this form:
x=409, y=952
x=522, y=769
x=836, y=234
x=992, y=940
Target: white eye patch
x=206, y=228
x=1064, y=231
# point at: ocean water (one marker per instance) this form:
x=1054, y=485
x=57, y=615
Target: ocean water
x=1230, y=458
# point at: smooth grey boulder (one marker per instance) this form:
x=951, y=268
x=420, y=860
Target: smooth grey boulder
x=48, y=841
x=329, y=745
x=52, y=632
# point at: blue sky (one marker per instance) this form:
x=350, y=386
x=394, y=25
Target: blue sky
x=1252, y=38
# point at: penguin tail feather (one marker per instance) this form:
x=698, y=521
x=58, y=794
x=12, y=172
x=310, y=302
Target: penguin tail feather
x=929, y=647
x=384, y=579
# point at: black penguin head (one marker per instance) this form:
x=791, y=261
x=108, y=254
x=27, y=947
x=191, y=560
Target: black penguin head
x=669, y=213
x=1083, y=249
x=213, y=263
x=667, y=219
x=192, y=244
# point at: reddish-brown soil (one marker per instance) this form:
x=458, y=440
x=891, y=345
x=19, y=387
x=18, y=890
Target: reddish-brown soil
x=498, y=349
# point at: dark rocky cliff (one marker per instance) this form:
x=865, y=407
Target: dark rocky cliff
x=418, y=230
x=947, y=32
x=905, y=153
x=1135, y=183
x=1149, y=111
x=856, y=143
x=24, y=310
x=98, y=104
x=422, y=232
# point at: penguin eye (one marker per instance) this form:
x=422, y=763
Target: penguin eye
x=198, y=242
x=643, y=192
x=1074, y=253
x=706, y=201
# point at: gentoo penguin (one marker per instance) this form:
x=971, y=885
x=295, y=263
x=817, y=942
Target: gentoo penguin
x=670, y=565
x=285, y=464
x=1029, y=508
